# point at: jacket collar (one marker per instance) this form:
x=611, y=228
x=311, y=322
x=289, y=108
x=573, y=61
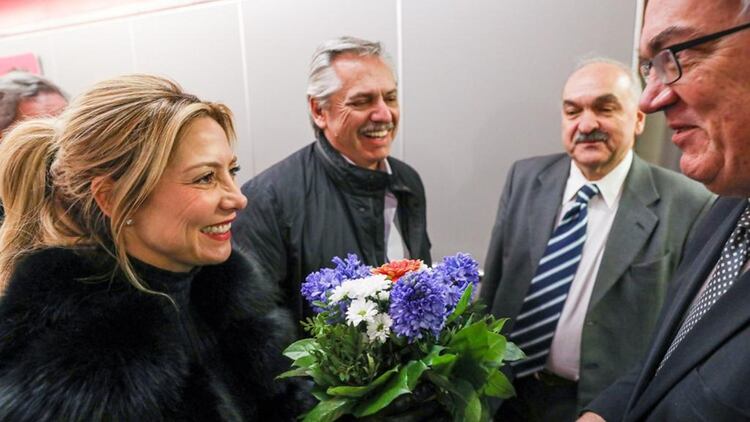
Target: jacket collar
x=729, y=314
x=355, y=179
x=633, y=226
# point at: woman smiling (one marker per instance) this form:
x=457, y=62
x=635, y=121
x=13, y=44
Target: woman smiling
x=122, y=297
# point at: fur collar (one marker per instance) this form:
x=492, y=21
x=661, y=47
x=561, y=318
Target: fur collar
x=80, y=343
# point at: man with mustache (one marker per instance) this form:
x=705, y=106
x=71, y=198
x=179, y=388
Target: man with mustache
x=343, y=193
x=694, y=58
x=583, y=247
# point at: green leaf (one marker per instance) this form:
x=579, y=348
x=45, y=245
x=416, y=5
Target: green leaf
x=512, y=352
x=414, y=371
x=471, y=371
x=497, y=325
x=359, y=391
x=498, y=386
x=443, y=364
x=433, y=354
x=320, y=377
x=297, y=372
x=319, y=393
x=320, y=304
x=468, y=405
x=330, y=410
x=440, y=380
x=403, y=383
x=471, y=341
x=300, y=348
x=305, y=361
x=495, y=353
x=461, y=305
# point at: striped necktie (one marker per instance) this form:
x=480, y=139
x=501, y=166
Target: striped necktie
x=543, y=304
x=733, y=258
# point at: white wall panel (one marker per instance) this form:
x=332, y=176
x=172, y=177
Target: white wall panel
x=280, y=38
x=89, y=53
x=483, y=80
x=199, y=47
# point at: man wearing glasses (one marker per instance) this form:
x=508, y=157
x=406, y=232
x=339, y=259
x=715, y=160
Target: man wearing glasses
x=584, y=245
x=695, y=61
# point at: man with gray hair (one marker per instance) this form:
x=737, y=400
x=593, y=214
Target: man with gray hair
x=582, y=249
x=24, y=95
x=342, y=193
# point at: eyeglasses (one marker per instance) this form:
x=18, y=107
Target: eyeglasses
x=667, y=66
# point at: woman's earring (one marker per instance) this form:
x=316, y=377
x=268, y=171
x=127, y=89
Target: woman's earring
x=129, y=222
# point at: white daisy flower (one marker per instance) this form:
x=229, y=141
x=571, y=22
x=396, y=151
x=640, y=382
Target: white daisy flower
x=384, y=295
x=367, y=287
x=361, y=310
x=338, y=294
x=379, y=328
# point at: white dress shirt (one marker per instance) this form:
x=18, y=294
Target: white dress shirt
x=565, y=351
x=395, y=248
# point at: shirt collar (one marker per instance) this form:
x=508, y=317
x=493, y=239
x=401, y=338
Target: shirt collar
x=385, y=166
x=382, y=166
x=610, y=185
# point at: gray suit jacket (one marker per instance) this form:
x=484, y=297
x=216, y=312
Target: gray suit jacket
x=657, y=210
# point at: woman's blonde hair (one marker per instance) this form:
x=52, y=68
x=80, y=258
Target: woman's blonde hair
x=124, y=129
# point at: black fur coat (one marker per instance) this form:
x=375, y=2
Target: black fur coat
x=78, y=347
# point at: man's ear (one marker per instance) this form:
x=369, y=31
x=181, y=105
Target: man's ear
x=316, y=111
x=640, y=122
x=101, y=189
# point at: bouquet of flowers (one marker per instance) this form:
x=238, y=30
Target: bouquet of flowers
x=380, y=333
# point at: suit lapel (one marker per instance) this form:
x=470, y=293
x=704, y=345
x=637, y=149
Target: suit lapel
x=630, y=230
x=720, y=322
x=545, y=201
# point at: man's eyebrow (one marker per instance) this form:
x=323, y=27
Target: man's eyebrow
x=662, y=39
x=361, y=94
x=369, y=94
x=606, y=98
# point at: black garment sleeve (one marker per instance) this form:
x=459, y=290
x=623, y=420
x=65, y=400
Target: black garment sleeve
x=259, y=233
x=613, y=401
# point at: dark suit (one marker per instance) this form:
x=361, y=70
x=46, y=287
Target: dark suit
x=656, y=212
x=707, y=378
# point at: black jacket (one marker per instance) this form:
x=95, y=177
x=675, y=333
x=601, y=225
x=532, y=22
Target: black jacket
x=706, y=378
x=75, y=346
x=314, y=205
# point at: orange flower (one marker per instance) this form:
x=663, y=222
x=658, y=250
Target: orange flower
x=396, y=269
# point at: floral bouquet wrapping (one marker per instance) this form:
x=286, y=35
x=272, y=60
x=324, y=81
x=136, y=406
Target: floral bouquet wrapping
x=398, y=330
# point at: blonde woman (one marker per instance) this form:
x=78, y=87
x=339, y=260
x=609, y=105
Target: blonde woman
x=122, y=299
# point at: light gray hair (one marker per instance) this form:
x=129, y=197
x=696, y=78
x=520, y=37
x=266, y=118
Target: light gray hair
x=322, y=81
x=745, y=11
x=635, y=82
x=17, y=85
